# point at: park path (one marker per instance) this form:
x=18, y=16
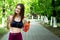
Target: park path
x=36, y=32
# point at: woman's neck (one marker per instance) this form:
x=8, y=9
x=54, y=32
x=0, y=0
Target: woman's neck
x=17, y=15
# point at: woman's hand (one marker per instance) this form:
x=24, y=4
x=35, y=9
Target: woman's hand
x=26, y=25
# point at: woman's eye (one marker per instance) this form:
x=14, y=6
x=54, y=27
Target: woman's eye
x=19, y=8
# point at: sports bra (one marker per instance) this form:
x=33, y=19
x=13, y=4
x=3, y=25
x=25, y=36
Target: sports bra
x=16, y=24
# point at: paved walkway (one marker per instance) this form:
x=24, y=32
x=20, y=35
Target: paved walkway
x=36, y=32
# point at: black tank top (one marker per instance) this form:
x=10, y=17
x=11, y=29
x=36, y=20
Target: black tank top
x=16, y=24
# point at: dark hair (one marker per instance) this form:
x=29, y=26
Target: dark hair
x=21, y=13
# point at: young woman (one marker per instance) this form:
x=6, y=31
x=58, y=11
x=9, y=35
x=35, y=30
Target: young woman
x=16, y=22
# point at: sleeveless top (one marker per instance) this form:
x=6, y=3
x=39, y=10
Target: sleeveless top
x=16, y=24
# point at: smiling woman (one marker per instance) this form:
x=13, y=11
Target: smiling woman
x=16, y=22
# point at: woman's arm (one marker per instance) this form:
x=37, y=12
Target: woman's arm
x=26, y=25
x=8, y=22
x=24, y=21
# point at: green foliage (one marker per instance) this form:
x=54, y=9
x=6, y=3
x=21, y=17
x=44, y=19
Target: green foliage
x=57, y=7
x=41, y=7
x=0, y=11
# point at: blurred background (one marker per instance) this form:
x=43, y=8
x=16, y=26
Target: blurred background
x=46, y=12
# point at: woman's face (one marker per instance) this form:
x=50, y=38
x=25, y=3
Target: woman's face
x=18, y=9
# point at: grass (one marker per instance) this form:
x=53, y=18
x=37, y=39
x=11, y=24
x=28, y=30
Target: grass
x=56, y=31
x=2, y=32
